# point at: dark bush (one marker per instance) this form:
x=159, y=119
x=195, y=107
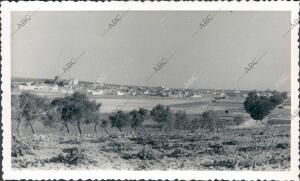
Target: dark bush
x=233, y=142
x=71, y=156
x=146, y=154
x=244, y=164
x=260, y=106
x=143, y=154
x=70, y=141
x=230, y=164
x=176, y=153
x=282, y=145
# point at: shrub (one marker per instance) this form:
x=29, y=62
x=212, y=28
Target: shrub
x=137, y=117
x=178, y=152
x=232, y=142
x=145, y=153
x=195, y=124
x=162, y=115
x=260, y=106
x=209, y=120
x=282, y=145
x=19, y=148
x=226, y=163
x=181, y=120
x=71, y=156
x=119, y=119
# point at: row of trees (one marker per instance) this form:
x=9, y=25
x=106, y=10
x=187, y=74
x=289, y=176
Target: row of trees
x=77, y=109
x=133, y=119
x=257, y=106
x=165, y=119
x=207, y=120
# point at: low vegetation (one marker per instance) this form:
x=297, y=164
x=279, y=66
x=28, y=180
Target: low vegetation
x=229, y=149
x=179, y=141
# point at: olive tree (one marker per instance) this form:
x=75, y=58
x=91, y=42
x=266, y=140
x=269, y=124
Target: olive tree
x=119, y=119
x=260, y=106
x=31, y=108
x=162, y=115
x=209, y=120
x=181, y=120
x=137, y=117
x=77, y=109
x=92, y=114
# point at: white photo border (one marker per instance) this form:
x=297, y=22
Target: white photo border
x=9, y=173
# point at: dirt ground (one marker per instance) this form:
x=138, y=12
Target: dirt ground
x=255, y=148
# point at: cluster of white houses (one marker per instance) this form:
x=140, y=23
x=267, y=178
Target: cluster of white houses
x=44, y=87
x=96, y=89
x=103, y=90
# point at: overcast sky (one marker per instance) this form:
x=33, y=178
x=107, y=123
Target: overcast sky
x=128, y=52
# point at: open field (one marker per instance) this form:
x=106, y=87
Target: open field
x=250, y=146
x=260, y=148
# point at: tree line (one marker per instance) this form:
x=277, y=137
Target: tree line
x=77, y=109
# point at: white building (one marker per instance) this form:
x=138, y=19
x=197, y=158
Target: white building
x=97, y=92
x=196, y=96
x=89, y=91
x=27, y=87
x=237, y=92
x=54, y=87
x=120, y=93
x=220, y=96
x=73, y=82
x=134, y=93
x=66, y=91
x=43, y=87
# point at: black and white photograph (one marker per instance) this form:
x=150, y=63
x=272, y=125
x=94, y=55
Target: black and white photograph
x=137, y=89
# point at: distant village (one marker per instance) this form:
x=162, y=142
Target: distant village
x=101, y=89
